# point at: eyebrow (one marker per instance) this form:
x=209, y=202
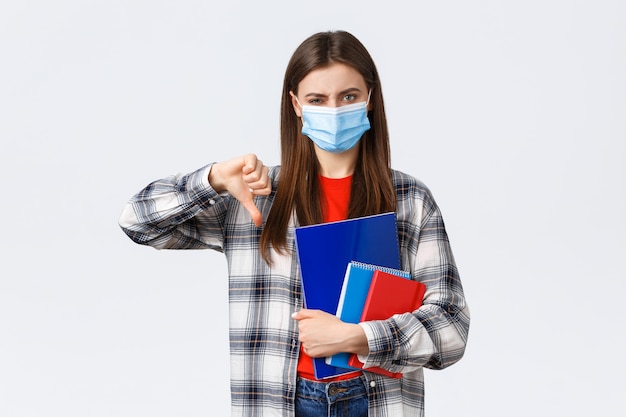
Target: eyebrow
x=341, y=93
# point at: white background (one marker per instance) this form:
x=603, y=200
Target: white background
x=513, y=113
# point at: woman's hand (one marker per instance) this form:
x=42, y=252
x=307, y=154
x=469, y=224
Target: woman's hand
x=243, y=178
x=323, y=334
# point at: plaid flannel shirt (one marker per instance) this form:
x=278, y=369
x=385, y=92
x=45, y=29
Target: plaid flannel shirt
x=184, y=212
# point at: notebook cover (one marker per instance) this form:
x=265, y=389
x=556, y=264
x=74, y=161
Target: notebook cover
x=388, y=295
x=354, y=292
x=324, y=251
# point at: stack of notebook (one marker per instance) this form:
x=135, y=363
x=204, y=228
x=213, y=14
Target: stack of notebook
x=363, y=254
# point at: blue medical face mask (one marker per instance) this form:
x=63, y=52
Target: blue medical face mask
x=335, y=129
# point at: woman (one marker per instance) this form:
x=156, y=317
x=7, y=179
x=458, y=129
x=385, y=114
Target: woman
x=335, y=164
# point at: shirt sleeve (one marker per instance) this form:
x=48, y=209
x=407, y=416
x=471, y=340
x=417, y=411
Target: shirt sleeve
x=177, y=212
x=435, y=335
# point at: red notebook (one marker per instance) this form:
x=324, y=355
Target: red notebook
x=389, y=294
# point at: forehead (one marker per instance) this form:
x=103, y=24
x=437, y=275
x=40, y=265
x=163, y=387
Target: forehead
x=331, y=79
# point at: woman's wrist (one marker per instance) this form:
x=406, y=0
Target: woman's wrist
x=356, y=341
x=215, y=179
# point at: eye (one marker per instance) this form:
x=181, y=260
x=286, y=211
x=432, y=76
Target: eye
x=349, y=97
x=315, y=101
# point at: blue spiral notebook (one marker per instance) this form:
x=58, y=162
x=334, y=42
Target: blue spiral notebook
x=324, y=252
x=354, y=291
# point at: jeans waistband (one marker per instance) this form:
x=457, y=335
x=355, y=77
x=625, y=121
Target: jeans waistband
x=332, y=391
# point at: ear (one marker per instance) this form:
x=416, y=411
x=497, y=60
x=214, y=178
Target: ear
x=294, y=103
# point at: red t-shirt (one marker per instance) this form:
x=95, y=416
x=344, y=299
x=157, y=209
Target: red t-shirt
x=335, y=201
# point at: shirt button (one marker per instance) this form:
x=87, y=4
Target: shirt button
x=372, y=384
x=211, y=201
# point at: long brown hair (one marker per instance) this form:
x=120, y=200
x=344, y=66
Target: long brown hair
x=298, y=187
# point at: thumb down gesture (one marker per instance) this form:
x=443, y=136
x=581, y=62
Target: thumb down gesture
x=243, y=178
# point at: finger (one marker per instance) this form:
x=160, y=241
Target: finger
x=261, y=185
x=305, y=313
x=256, y=215
x=250, y=163
x=252, y=170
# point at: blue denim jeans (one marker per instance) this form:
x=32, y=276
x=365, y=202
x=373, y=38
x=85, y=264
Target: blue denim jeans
x=346, y=398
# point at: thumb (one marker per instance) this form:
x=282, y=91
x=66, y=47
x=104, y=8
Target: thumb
x=304, y=314
x=250, y=163
x=248, y=204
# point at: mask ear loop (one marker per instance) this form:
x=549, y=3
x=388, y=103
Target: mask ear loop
x=296, y=97
x=297, y=101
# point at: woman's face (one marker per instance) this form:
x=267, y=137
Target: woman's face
x=332, y=86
